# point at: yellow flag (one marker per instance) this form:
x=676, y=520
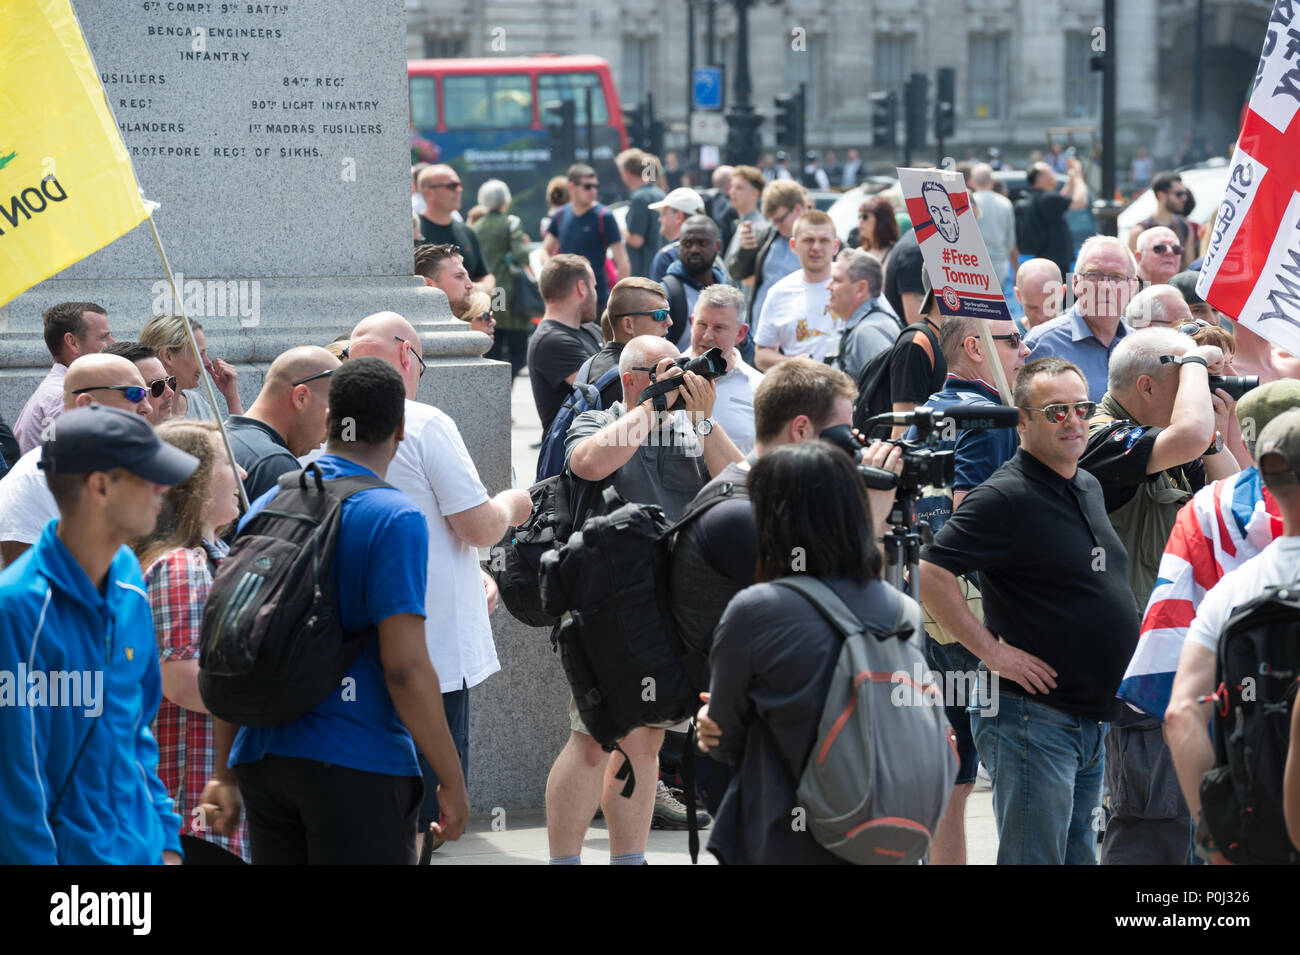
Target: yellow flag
x=66, y=183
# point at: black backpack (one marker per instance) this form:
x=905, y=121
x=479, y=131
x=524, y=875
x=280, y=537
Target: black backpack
x=1258, y=663
x=1031, y=237
x=272, y=645
x=875, y=389
x=677, y=309
x=625, y=660
x=516, y=560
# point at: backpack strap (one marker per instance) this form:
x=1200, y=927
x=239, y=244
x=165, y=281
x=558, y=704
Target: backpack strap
x=837, y=613
x=676, y=305
x=705, y=500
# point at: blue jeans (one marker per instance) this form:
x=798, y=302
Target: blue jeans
x=1046, y=766
x=456, y=706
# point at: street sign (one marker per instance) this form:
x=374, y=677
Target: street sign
x=707, y=87
x=709, y=129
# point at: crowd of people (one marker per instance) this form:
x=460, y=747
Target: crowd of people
x=1058, y=542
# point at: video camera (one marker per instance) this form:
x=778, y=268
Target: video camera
x=712, y=364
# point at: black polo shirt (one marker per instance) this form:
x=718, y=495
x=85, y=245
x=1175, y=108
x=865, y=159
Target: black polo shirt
x=1054, y=578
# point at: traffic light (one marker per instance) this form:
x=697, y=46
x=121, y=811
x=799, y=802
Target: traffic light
x=634, y=120
x=914, y=108
x=789, y=120
x=884, y=119
x=945, y=103
x=563, y=129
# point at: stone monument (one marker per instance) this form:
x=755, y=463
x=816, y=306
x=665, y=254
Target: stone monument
x=275, y=137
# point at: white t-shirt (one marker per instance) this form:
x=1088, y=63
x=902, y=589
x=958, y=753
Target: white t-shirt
x=433, y=468
x=26, y=504
x=734, y=407
x=1278, y=563
x=797, y=317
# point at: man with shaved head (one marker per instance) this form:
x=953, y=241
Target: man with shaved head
x=286, y=421
x=433, y=468
x=1040, y=291
x=26, y=504
x=1159, y=255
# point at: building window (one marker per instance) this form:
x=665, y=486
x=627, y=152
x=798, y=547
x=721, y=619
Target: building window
x=638, y=68
x=438, y=47
x=987, y=80
x=893, y=62
x=801, y=66
x=1082, y=85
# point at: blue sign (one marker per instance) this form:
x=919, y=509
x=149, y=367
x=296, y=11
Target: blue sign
x=708, y=87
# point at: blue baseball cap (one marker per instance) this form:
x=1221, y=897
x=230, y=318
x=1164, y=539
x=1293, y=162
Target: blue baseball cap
x=100, y=438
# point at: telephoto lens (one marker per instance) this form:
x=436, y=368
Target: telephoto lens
x=1235, y=385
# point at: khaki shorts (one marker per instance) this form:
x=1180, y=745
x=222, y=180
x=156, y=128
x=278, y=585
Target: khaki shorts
x=576, y=724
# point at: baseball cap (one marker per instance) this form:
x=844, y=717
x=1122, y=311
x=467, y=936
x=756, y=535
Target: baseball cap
x=1185, y=282
x=99, y=438
x=1259, y=406
x=683, y=200
x=1280, y=439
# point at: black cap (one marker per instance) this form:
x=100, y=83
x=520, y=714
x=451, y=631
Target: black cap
x=99, y=438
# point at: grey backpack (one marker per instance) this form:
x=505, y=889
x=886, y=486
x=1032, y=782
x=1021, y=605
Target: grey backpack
x=882, y=768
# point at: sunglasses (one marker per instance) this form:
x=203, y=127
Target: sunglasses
x=134, y=393
x=1194, y=326
x=320, y=374
x=1058, y=413
x=589, y=185
x=416, y=354
x=1160, y=248
x=658, y=314
x=1013, y=337
x=160, y=385
x=446, y=185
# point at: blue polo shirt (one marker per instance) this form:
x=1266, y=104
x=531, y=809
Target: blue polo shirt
x=1068, y=336
x=380, y=565
x=977, y=453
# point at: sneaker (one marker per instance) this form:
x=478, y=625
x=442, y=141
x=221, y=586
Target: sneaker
x=670, y=811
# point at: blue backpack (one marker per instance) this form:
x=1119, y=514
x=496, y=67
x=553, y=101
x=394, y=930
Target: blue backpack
x=585, y=397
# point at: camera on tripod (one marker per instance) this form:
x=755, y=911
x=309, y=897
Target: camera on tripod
x=923, y=466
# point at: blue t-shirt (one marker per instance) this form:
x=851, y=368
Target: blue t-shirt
x=779, y=263
x=379, y=571
x=977, y=453
x=588, y=236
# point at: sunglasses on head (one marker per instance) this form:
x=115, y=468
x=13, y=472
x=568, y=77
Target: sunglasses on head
x=414, y=353
x=1160, y=248
x=1056, y=413
x=134, y=393
x=658, y=314
x=320, y=374
x=159, y=385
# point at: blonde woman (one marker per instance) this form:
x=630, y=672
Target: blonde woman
x=165, y=334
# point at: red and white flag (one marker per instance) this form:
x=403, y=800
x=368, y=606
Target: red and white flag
x=1252, y=268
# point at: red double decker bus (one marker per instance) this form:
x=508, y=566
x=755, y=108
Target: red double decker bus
x=490, y=119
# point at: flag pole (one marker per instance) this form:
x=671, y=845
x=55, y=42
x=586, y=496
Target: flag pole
x=999, y=378
x=204, y=378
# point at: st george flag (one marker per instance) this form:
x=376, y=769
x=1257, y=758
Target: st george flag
x=67, y=187
x=1224, y=525
x=1252, y=268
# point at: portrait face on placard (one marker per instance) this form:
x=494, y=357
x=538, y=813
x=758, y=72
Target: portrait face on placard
x=939, y=205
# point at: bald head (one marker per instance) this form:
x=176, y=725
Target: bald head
x=378, y=336
x=295, y=365
x=1040, y=290
x=1044, y=176
x=105, y=374
x=644, y=351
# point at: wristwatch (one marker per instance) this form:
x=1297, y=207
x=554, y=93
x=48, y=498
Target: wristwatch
x=1184, y=360
x=1217, y=446
x=703, y=427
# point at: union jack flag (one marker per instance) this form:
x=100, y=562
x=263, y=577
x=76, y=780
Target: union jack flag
x=1225, y=524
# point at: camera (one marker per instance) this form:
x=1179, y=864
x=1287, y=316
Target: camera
x=1235, y=385
x=922, y=466
x=712, y=364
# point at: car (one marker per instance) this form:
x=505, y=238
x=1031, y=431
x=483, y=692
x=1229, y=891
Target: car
x=1206, y=181
x=844, y=211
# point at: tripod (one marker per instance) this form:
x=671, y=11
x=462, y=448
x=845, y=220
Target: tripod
x=903, y=545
